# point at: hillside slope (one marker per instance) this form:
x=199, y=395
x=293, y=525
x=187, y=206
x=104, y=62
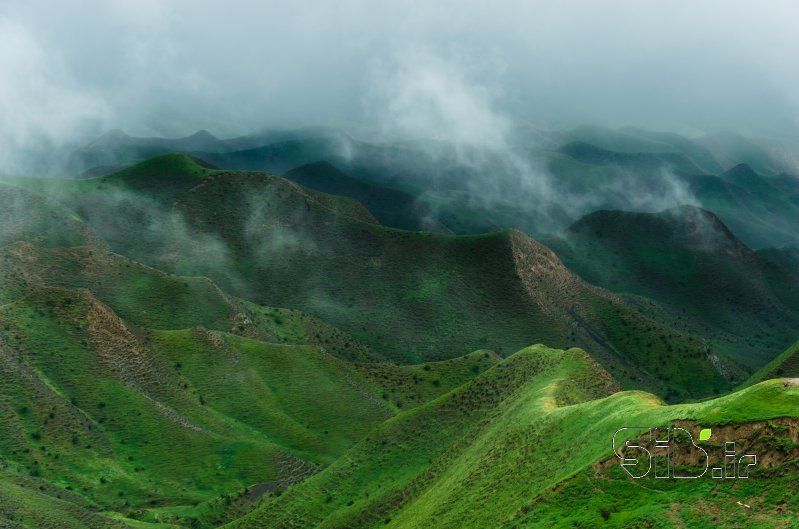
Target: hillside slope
x=93, y=401
x=784, y=365
x=409, y=296
x=686, y=258
x=106, y=365
x=484, y=454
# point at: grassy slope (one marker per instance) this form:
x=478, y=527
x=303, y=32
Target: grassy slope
x=483, y=453
x=148, y=395
x=149, y=298
x=409, y=296
x=409, y=385
x=46, y=222
x=88, y=404
x=99, y=378
x=610, y=499
x=784, y=365
x=687, y=259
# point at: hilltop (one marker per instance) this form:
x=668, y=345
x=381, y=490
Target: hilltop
x=107, y=364
x=564, y=174
x=318, y=369
x=409, y=296
x=687, y=259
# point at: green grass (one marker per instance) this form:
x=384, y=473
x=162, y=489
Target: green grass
x=746, y=307
x=144, y=394
x=91, y=403
x=405, y=296
x=300, y=397
x=29, y=503
x=611, y=499
x=485, y=452
x=406, y=386
x=100, y=381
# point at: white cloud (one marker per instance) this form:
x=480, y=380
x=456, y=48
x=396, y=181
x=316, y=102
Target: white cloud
x=40, y=104
x=171, y=67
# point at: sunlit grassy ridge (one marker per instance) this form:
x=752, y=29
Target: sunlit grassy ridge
x=611, y=499
x=130, y=383
x=483, y=453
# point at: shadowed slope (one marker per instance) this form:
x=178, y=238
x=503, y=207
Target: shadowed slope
x=689, y=260
x=410, y=296
x=396, y=209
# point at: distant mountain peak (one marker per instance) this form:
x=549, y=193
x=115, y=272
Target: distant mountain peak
x=701, y=227
x=740, y=171
x=202, y=135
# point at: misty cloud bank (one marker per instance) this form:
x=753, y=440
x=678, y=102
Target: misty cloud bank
x=457, y=71
x=476, y=88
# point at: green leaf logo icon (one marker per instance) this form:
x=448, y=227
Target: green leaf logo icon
x=704, y=434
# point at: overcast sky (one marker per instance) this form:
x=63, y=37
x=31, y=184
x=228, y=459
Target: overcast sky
x=419, y=67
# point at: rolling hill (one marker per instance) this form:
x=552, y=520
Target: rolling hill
x=183, y=346
x=107, y=365
x=687, y=259
x=509, y=448
x=409, y=296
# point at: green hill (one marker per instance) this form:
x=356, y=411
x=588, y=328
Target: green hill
x=565, y=174
x=490, y=454
x=408, y=296
x=687, y=259
x=116, y=149
x=131, y=397
x=148, y=379
x=93, y=402
x=108, y=365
